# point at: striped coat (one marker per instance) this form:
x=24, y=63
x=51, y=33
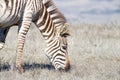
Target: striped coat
x=22, y=13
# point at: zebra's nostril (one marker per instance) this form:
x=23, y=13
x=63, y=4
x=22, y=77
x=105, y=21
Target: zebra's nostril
x=67, y=68
x=67, y=65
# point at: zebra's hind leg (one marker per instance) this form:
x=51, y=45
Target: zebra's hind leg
x=1, y=45
x=3, y=34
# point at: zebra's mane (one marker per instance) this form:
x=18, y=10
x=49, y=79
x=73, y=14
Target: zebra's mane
x=49, y=3
x=58, y=18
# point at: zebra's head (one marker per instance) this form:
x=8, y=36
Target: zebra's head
x=57, y=50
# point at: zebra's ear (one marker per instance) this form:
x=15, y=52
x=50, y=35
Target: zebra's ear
x=64, y=31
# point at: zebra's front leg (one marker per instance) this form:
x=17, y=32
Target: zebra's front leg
x=3, y=34
x=21, y=40
x=25, y=25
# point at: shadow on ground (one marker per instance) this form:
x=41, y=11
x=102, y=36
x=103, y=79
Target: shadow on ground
x=37, y=66
x=27, y=66
x=5, y=67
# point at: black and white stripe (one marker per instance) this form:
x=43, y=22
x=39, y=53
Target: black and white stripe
x=23, y=12
x=57, y=48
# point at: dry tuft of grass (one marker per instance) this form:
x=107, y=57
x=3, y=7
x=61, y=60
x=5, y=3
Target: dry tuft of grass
x=93, y=52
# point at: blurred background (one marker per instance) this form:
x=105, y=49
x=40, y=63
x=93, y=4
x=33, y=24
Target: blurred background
x=93, y=47
x=90, y=11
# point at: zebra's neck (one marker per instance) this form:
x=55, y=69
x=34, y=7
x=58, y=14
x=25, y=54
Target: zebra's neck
x=46, y=25
x=52, y=25
x=58, y=19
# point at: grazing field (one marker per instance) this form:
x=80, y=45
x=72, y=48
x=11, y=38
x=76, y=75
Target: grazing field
x=94, y=52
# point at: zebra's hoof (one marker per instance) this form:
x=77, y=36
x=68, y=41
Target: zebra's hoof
x=1, y=45
x=20, y=69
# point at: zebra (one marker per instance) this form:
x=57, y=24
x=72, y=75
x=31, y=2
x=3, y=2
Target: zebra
x=23, y=13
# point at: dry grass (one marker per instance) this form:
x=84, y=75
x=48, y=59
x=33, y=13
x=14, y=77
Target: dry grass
x=93, y=51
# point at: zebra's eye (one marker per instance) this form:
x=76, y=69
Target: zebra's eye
x=64, y=47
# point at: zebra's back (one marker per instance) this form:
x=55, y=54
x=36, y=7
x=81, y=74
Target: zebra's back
x=12, y=11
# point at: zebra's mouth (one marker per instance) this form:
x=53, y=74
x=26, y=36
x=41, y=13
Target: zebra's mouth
x=64, y=69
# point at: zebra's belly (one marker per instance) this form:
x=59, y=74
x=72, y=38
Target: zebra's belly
x=7, y=24
x=9, y=21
